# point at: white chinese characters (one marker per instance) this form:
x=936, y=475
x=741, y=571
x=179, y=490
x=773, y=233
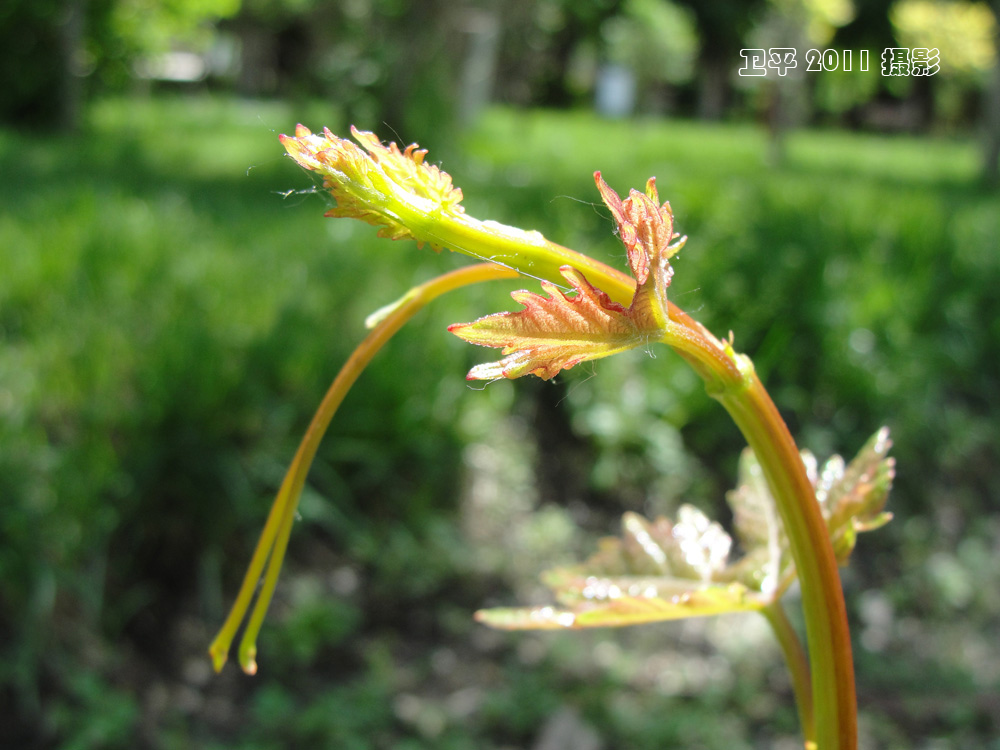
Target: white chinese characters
x=896, y=61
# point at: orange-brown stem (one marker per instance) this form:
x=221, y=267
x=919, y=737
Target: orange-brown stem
x=830, y=657
x=274, y=538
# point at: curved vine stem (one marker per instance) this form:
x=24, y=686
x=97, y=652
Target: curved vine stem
x=737, y=387
x=273, y=540
x=397, y=190
x=830, y=658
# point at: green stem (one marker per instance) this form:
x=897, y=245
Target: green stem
x=730, y=379
x=736, y=386
x=798, y=667
x=273, y=540
x=830, y=658
x=527, y=252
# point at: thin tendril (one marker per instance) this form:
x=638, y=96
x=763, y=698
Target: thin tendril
x=273, y=540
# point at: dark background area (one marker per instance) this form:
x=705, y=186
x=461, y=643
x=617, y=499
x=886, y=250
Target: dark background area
x=170, y=317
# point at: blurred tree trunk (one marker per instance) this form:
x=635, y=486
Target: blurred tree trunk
x=418, y=102
x=991, y=152
x=70, y=92
x=722, y=26
x=713, y=83
x=776, y=118
x=258, y=57
x=788, y=103
x=481, y=29
x=40, y=46
x=991, y=111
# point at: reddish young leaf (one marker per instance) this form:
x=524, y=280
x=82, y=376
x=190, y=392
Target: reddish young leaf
x=559, y=331
x=554, y=333
x=646, y=228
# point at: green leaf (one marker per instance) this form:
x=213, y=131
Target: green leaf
x=657, y=570
x=667, y=570
x=851, y=497
x=766, y=564
x=622, y=609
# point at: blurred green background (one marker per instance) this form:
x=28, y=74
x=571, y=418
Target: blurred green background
x=173, y=306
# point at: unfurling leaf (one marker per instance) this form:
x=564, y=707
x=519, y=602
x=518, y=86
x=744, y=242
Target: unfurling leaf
x=557, y=332
x=649, y=606
x=664, y=570
x=692, y=548
x=658, y=570
x=766, y=562
x=376, y=183
x=646, y=228
x=851, y=498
